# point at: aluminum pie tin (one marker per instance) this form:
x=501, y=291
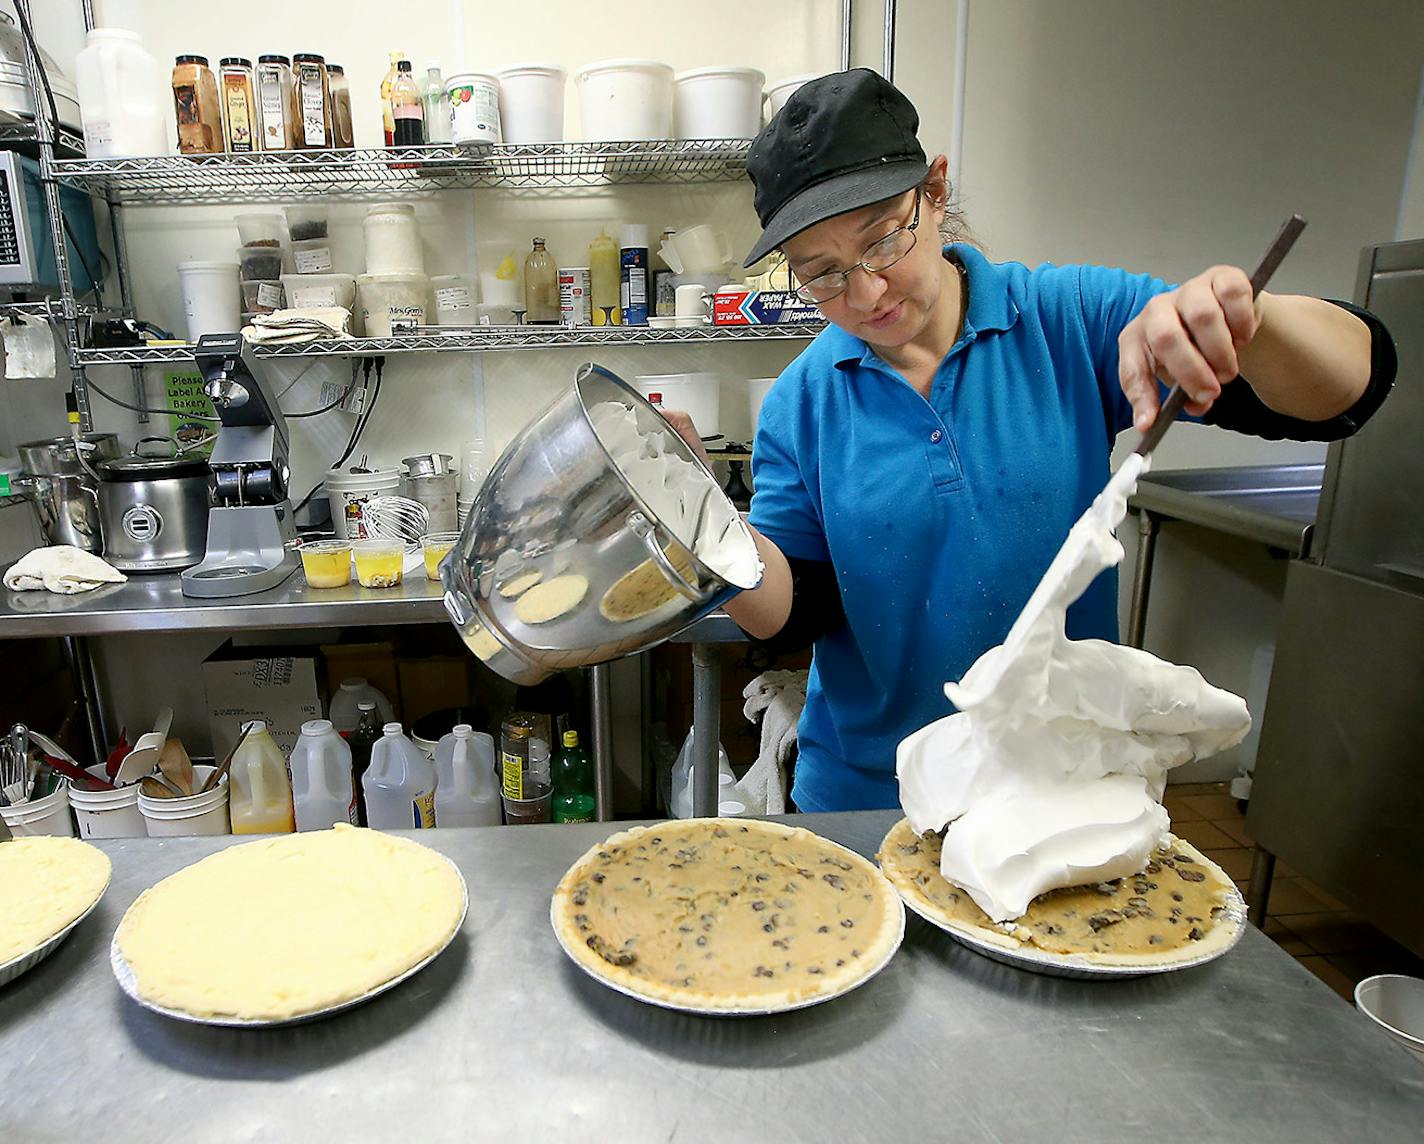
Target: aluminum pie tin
x=871, y=970
x=124, y=975
x=26, y=961
x=1074, y=965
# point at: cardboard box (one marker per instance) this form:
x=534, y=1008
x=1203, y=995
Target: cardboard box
x=273, y=685
x=435, y=683
x=738, y=307
x=374, y=662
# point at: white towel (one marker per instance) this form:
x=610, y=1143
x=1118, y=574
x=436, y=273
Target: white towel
x=60, y=568
x=777, y=697
x=308, y=324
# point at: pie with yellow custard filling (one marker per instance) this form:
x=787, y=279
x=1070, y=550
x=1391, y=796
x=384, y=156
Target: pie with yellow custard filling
x=726, y=915
x=1180, y=909
x=46, y=884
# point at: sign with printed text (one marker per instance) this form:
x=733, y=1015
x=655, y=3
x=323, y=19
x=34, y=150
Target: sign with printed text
x=186, y=402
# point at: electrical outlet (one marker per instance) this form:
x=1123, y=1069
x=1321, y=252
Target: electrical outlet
x=355, y=400
x=330, y=391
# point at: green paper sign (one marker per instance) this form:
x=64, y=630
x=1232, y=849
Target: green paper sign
x=186, y=401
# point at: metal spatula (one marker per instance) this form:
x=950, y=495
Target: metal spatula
x=1177, y=398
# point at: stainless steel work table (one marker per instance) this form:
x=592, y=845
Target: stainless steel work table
x=156, y=603
x=502, y=1038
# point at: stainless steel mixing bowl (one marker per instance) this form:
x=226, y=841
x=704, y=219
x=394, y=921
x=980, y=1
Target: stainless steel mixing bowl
x=556, y=504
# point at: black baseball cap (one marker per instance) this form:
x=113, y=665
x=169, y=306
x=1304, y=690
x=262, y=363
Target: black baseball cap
x=842, y=142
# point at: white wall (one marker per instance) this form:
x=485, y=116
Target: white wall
x=1161, y=137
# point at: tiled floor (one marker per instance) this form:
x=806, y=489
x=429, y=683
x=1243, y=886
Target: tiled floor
x=1312, y=926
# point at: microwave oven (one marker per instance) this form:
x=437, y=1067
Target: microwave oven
x=26, y=251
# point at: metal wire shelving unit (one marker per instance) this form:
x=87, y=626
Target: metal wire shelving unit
x=404, y=172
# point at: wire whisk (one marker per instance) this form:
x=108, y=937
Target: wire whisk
x=396, y=518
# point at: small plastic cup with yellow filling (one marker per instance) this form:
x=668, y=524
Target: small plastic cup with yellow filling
x=434, y=546
x=327, y=563
x=378, y=562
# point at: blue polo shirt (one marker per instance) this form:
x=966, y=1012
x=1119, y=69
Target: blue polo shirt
x=939, y=515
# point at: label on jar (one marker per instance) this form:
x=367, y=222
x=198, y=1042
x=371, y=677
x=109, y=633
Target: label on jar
x=185, y=99
x=423, y=810
x=273, y=108
x=453, y=298
x=239, y=113
x=574, y=307
x=269, y=295
x=404, y=319
x=474, y=113
x=313, y=104
x=512, y=769
x=314, y=296
x=313, y=261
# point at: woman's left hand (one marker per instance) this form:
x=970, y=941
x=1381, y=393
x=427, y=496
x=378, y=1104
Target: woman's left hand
x=1189, y=336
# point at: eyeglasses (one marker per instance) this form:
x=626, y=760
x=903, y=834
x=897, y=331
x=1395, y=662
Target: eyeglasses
x=876, y=258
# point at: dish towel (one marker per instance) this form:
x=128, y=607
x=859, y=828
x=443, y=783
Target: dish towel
x=60, y=568
x=309, y=324
x=777, y=697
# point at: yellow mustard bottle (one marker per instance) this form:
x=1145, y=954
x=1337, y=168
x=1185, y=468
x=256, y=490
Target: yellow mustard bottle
x=603, y=273
x=260, y=795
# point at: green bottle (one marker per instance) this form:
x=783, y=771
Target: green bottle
x=573, y=782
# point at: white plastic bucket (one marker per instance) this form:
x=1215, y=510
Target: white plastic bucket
x=531, y=103
x=348, y=491
x=107, y=813
x=474, y=108
x=454, y=299
x=625, y=100
x=1395, y=1002
x=779, y=92
x=188, y=815
x=388, y=299
x=212, y=298
x=696, y=394
x=48, y=815
x=757, y=389
x=717, y=103
x=393, y=240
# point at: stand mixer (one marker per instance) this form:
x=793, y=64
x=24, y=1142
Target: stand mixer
x=251, y=532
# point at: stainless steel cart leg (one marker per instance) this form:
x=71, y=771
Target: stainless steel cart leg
x=1258, y=890
x=706, y=727
x=601, y=700
x=81, y=667
x=1147, y=527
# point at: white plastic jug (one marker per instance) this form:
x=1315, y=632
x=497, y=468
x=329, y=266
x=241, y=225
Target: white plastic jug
x=344, y=712
x=261, y=794
x=123, y=96
x=466, y=793
x=680, y=796
x=399, y=784
x=322, y=788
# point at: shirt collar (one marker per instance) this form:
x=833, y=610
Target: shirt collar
x=990, y=308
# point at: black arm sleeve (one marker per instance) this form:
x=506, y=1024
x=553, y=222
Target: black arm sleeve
x=816, y=608
x=1238, y=408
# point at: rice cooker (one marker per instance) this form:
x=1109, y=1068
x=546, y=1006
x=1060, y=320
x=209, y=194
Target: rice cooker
x=154, y=512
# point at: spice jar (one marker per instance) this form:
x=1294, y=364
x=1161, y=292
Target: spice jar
x=195, y=100
x=277, y=111
x=341, y=133
x=239, y=105
x=313, y=102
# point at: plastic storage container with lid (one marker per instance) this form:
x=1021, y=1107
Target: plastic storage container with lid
x=344, y=712
x=389, y=301
x=262, y=263
x=393, y=240
x=120, y=96
x=309, y=220
x=197, y=107
x=399, y=784
x=307, y=290
x=262, y=297
x=717, y=103
x=625, y=100
x=454, y=299
x=531, y=103
x=212, y=300
x=474, y=108
x=312, y=256
x=466, y=793
x=322, y=790
x=261, y=228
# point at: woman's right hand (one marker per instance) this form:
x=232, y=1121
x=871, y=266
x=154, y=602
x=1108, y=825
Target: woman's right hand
x=682, y=422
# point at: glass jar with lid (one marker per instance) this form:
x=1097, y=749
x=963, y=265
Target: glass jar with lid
x=276, y=103
x=341, y=132
x=196, y=104
x=313, y=100
x=239, y=105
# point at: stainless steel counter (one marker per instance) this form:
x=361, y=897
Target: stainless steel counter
x=1275, y=504
x=503, y=1038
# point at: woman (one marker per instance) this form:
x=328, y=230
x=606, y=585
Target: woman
x=919, y=464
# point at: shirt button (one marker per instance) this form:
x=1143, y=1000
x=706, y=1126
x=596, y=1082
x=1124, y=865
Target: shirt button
x=935, y=437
